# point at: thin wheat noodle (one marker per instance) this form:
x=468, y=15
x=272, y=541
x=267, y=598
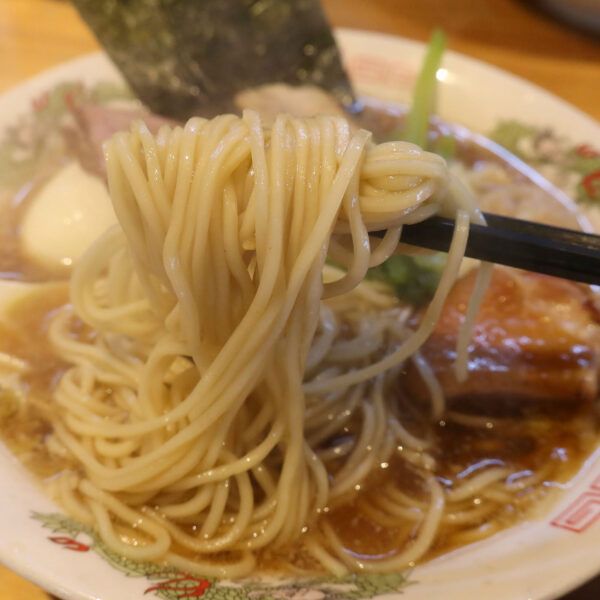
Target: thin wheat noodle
x=227, y=355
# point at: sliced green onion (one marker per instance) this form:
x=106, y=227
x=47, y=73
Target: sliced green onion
x=417, y=122
x=445, y=145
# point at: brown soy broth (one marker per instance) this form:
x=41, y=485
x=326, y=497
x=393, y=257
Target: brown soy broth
x=552, y=438
x=23, y=329
x=24, y=333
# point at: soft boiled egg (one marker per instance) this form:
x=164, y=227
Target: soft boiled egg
x=64, y=217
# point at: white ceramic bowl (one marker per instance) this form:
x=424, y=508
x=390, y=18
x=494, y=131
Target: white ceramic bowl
x=537, y=559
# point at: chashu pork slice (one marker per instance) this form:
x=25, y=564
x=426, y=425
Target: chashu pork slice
x=536, y=337
x=93, y=125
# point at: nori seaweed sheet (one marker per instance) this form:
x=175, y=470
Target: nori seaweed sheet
x=187, y=57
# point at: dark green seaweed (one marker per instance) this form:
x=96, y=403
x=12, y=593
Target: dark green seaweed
x=190, y=57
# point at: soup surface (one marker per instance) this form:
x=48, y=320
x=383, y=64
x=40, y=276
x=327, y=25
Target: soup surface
x=497, y=453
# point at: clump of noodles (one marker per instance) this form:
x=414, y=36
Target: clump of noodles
x=209, y=409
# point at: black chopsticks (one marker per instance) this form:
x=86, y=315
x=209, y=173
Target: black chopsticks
x=516, y=243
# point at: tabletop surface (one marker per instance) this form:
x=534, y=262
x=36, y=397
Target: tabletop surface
x=511, y=34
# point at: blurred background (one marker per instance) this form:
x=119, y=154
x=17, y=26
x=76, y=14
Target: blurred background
x=517, y=35
x=536, y=40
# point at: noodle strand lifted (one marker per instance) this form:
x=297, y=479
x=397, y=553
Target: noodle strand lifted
x=233, y=390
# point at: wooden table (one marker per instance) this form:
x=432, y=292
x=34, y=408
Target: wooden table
x=38, y=34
